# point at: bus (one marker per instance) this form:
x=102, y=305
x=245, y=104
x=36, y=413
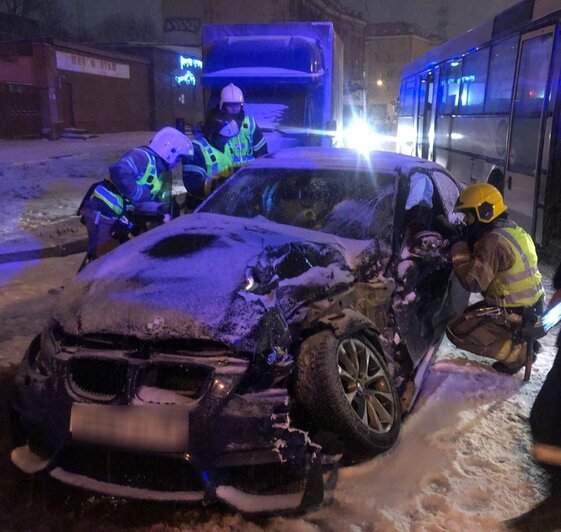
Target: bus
x=487, y=106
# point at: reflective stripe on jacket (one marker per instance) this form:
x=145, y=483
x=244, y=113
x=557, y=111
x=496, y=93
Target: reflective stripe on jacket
x=242, y=145
x=520, y=285
x=112, y=199
x=218, y=164
x=150, y=177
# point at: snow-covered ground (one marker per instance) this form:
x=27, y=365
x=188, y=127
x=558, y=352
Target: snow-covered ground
x=462, y=461
x=43, y=181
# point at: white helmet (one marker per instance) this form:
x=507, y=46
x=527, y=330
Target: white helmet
x=170, y=144
x=231, y=94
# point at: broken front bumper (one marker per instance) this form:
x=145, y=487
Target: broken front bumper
x=171, y=427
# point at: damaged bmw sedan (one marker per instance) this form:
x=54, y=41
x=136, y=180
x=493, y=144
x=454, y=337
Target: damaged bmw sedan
x=236, y=353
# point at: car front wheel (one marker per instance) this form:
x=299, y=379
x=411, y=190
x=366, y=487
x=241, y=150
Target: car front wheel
x=345, y=387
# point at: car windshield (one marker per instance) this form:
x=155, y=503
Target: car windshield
x=357, y=205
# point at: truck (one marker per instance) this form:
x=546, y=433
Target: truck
x=291, y=75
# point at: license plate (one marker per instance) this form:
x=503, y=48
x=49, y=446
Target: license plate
x=162, y=428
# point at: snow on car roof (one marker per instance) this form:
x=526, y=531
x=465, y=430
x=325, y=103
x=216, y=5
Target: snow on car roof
x=341, y=159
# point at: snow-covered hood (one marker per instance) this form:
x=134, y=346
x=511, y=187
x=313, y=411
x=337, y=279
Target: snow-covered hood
x=209, y=276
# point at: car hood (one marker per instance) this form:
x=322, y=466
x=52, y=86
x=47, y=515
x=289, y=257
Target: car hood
x=209, y=276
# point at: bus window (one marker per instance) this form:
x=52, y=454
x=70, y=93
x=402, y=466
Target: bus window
x=474, y=78
x=407, y=98
x=501, y=76
x=450, y=87
x=528, y=104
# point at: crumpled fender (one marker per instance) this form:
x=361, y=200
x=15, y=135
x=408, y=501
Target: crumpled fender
x=346, y=322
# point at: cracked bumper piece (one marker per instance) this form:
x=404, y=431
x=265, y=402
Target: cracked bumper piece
x=241, y=449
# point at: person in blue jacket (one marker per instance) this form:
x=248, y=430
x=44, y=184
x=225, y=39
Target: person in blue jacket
x=134, y=187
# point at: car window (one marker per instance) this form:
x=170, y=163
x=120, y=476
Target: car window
x=356, y=204
x=448, y=191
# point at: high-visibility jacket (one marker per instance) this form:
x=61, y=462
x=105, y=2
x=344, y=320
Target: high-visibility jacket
x=520, y=285
x=138, y=175
x=134, y=177
x=241, y=145
x=218, y=163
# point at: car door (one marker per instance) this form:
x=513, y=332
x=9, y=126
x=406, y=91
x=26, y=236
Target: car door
x=425, y=291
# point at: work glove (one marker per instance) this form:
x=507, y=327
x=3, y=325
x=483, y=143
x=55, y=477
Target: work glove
x=123, y=228
x=452, y=232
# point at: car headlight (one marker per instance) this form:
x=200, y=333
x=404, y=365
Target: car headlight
x=258, y=281
x=49, y=347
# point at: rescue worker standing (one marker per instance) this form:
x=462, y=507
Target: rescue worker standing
x=249, y=143
x=134, y=186
x=497, y=259
x=227, y=140
x=212, y=161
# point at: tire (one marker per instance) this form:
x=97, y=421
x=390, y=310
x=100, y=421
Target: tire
x=345, y=387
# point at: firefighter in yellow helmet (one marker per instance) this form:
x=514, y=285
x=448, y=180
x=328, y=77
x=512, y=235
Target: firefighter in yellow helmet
x=497, y=259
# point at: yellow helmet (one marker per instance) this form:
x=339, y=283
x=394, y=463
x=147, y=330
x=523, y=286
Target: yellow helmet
x=484, y=199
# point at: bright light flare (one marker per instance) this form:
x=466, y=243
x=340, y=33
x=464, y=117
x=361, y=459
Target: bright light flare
x=361, y=137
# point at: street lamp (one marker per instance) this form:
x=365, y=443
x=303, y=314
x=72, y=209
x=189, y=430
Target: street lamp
x=379, y=83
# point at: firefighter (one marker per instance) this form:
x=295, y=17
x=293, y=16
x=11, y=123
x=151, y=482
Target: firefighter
x=250, y=143
x=135, y=186
x=497, y=259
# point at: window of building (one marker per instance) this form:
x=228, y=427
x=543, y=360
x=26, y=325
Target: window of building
x=501, y=76
x=474, y=79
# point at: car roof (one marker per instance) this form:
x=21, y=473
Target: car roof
x=310, y=157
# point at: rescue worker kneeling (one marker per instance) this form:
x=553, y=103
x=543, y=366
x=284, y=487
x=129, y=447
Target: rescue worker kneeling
x=117, y=208
x=497, y=259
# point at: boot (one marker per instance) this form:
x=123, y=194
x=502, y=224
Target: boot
x=514, y=362
x=537, y=346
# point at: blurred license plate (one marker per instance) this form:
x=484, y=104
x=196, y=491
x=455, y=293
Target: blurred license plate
x=151, y=428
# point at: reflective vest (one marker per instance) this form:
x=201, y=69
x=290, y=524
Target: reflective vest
x=108, y=193
x=520, y=285
x=111, y=198
x=150, y=177
x=241, y=145
x=218, y=164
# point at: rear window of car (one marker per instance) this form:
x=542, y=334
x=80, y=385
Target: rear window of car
x=356, y=205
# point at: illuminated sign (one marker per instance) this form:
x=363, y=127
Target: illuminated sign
x=185, y=65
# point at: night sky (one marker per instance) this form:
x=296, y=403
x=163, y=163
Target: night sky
x=446, y=18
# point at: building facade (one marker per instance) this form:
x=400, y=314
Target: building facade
x=47, y=86
x=389, y=46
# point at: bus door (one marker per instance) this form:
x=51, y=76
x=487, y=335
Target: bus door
x=527, y=126
x=424, y=113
